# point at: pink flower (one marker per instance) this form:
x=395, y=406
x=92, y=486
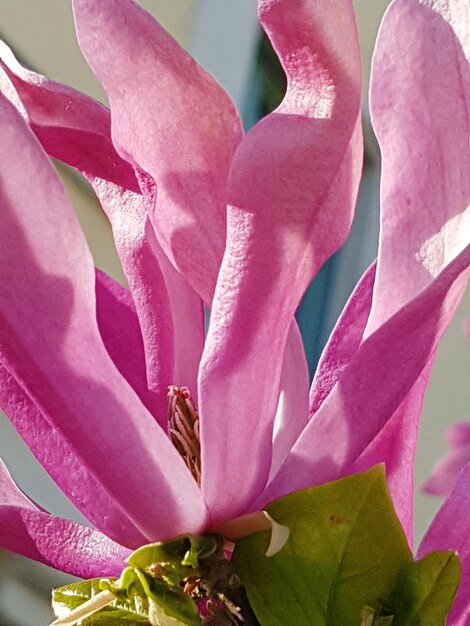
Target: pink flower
x=203, y=214
x=444, y=476
x=447, y=470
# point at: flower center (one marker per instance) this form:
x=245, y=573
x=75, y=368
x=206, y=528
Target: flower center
x=183, y=428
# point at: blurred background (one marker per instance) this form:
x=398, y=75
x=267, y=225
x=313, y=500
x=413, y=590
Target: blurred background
x=224, y=37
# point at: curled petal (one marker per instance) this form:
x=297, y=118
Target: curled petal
x=173, y=121
x=449, y=531
x=60, y=543
x=184, y=137
x=420, y=104
x=71, y=126
x=188, y=321
x=120, y=331
x=292, y=190
x=50, y=344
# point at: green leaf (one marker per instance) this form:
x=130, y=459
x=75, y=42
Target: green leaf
x=179, y=556
x=425, y=590
x=344, y=552
x=167, y=556
x=66, y=599
x=161, y=552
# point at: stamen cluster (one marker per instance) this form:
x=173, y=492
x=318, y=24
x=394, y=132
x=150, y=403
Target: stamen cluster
x=183, y=428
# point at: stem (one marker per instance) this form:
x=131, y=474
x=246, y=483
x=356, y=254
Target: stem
x=238, y=596
x=86, y=609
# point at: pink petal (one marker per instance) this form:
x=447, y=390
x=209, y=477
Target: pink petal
x=60, y=543
x=79, y=484
x=420, y=95
x=292, y=189
x=171, y=119
x=458, y=434
x=396, y=444
x=171, y=314
x=447, y=470
x=71, y=127
x=420, y=104
x=292, y=409
x=11, y=494
x=189, y=215
x=120, y=332
x=425, y=195
x=372, y=387
x=188, y=322
x=344, y=340
x=50, y=343
x=127, y=212
x=54, y=112
x=449, y=531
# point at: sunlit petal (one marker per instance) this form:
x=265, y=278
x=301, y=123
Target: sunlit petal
x=292, y=190
x=372, y=387
x=50, y=343
x=172, y=120
x=420, y=102
x=68, y=124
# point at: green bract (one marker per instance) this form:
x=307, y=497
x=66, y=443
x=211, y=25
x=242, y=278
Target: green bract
x=162, y=586
x=346, y=554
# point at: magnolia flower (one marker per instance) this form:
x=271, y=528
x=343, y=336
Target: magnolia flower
x=447, y=470
x=205, y=215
